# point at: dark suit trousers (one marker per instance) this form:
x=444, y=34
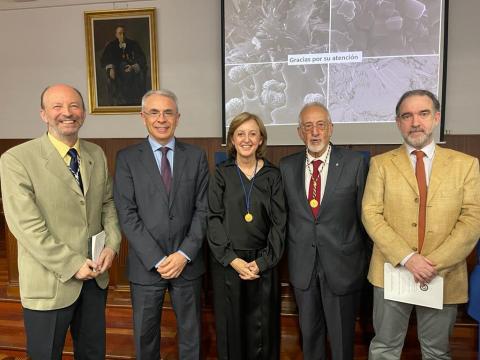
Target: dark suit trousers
x=247, y=312
x=46, y=330
x=321, y=312
x=147, y=302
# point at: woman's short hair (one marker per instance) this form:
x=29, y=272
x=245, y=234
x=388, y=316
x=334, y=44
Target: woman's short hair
x=235, y=124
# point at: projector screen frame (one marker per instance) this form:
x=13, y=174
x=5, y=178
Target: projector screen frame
x=278, y=135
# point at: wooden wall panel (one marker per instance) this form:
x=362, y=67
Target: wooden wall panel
x=2, y=229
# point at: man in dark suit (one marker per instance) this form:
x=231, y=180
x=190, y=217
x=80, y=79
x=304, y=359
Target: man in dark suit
x=327, y=248
x=125, y=64
x=160, y=193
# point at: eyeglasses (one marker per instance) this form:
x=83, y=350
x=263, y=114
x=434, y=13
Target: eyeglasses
x=308, y=127
x=424, y=114
x=166, y=114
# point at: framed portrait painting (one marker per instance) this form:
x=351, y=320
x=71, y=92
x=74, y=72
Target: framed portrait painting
x=121, y=59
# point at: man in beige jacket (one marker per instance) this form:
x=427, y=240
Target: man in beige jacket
x=56, y=195
x=428, y=242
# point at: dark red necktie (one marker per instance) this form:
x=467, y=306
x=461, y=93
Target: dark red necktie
x=422, y=188
x=315, y=188
x=165, y=169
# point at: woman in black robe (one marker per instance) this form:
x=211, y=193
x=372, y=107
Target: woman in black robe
x=246, y=233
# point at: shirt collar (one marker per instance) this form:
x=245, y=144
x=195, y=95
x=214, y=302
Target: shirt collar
x=155, y=145
x=63, y=148
x=429, y=150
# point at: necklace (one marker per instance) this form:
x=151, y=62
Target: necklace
x=248, y=215
x=313, y=201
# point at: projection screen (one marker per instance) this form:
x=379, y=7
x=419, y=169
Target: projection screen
x=355, y=56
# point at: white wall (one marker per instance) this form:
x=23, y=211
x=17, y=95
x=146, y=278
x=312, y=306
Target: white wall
x=463, y=69
x=45, y=45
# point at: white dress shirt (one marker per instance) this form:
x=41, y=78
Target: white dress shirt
x=323, y=169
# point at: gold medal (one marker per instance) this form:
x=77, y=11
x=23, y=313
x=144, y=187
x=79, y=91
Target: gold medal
x=313, y=203
x=248, y=217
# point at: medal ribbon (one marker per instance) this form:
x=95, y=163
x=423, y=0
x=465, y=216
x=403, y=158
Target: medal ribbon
x=247, y=197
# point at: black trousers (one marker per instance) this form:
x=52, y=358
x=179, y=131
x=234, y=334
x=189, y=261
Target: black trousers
x=46, y=330
x=321, y=312
x=247, y=312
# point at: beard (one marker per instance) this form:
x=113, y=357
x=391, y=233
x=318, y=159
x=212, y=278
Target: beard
x=317, y=149
x=419, y=138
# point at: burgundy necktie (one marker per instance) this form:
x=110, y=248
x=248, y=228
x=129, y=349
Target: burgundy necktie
x=315, y=189
x=165, y=169
x=422, y=188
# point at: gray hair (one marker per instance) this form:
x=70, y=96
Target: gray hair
x=313, y=104
x=162, y=92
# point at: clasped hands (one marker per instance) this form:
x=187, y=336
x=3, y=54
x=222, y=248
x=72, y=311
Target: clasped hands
x=422, y=269
x=172, y=266
x=127, y=68
x=91, y=269
x=246, y=271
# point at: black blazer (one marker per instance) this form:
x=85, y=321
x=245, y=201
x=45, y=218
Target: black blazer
x=337, y=232
x=155, y=224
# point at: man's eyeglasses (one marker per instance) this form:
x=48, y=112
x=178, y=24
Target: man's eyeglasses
x=166, y=114
x=308, y=127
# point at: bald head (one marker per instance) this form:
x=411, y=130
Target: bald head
x=60, y=87
x=63, y=111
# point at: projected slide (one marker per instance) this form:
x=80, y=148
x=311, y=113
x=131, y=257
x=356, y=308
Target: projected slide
x=357, y=57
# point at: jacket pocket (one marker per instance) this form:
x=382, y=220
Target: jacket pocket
x=36, y=282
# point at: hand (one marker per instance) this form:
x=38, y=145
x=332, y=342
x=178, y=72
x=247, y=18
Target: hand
x=87, y=271
x=422, y=269
x=253, y=267
x=111, y=73
x=241, y=266
x=136, y=68
x=127, y=68
x=105, y=260
x=172, y=266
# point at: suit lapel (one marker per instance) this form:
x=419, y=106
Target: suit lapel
x=149, y=163
x=298, y=167
x=179, y=164
x=55, y=164
x=335, y=166
x=439, y=169
x=404, y=165
x=86, y=167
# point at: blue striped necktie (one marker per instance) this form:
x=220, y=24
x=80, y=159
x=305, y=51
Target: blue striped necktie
x=75, y=167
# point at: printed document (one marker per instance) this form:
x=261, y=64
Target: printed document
x=399, y=285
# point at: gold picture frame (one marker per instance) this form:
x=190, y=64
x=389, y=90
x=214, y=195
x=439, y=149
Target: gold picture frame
x=121, y=59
